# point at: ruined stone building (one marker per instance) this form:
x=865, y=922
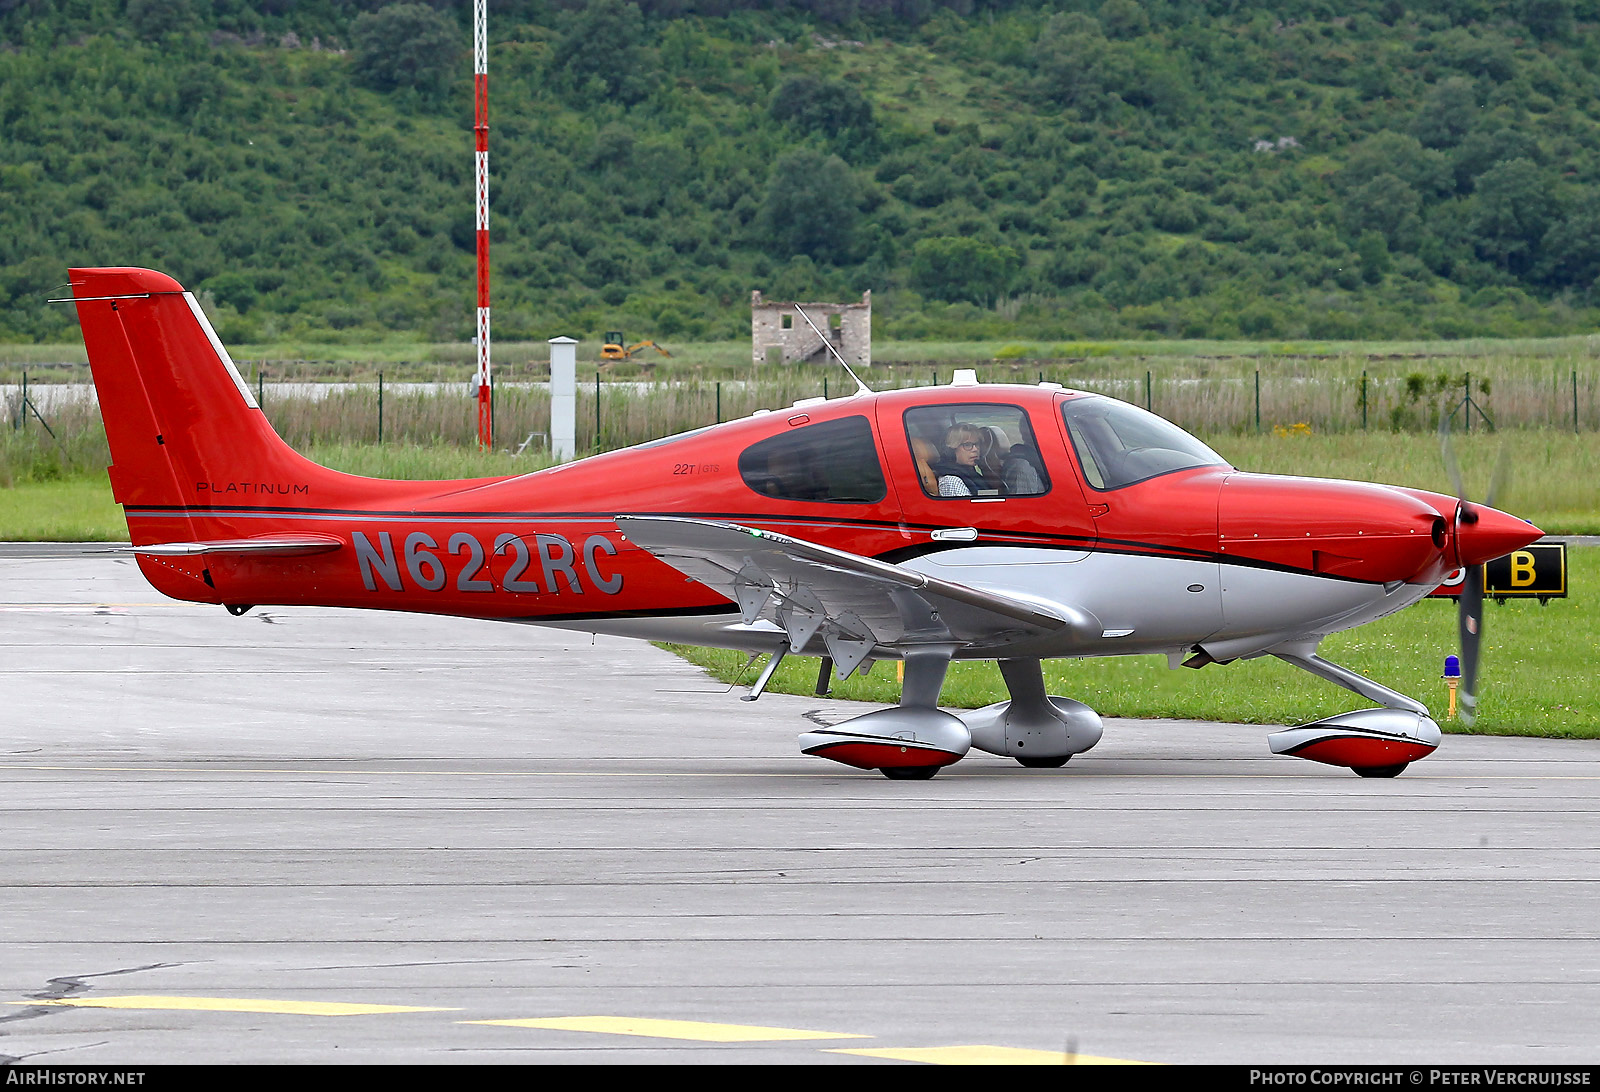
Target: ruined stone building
x=779, y=335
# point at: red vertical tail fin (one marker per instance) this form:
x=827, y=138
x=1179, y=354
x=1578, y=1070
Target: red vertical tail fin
x=193, y=457
x=179, y=417
x=196, y=466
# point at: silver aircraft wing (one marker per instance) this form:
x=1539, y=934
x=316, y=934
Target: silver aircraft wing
x=852, y=603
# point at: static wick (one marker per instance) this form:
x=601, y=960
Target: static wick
x=861, y=388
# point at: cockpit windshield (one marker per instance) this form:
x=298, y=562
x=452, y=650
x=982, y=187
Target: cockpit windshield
x=1119, y=444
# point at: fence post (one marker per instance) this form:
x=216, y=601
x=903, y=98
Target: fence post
x=380, y=407
x=1363, y=400
x=1149, y=400
x=22, y=407
x=1466, y=400
x=719, y=402
x=1574, y=401
x=1258, y=399
x=597, y=411
x=260, y=390
x=824, y=387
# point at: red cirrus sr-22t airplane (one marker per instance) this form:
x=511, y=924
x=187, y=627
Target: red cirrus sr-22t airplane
x=1013, y=523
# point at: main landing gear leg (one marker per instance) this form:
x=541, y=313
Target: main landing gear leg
x=1034, y=728
x=919, y=697
x=1372, y=742
x=911, y=742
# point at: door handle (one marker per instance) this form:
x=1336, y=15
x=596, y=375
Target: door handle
x=954, y=534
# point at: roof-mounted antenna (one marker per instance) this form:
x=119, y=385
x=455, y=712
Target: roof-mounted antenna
x=861, y=388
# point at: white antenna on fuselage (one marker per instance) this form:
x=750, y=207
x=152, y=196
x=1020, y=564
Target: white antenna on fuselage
x=861, y=388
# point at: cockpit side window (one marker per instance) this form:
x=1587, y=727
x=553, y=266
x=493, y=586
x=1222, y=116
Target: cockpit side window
x=979, y=449
x=831, y=461
x=1119, y=444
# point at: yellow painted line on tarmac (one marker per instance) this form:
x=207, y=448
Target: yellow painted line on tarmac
x=983, y=1055
x=234, y=1004
x=670, y=1029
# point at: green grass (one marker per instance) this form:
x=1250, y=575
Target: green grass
x=75, y=510
x=1538, y=674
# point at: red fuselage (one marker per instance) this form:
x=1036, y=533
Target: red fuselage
x=544, y=546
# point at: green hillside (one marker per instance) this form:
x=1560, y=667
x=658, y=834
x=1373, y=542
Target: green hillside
x=1372, y=168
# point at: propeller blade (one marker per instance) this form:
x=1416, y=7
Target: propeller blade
x=1469, y=622
x=1502, y=477
x=1453, y=468
x=1470, y=626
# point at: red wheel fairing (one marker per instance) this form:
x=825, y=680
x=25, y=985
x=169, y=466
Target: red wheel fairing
x=878, y=755
x=1357, y=751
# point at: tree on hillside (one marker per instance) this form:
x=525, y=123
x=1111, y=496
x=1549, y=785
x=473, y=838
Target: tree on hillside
x=153, y=19
x=601, y=54
x=1073, y=61
x=1373, y=253
x=1571, y=250
x=1513, y=208
x=811, y=206
x=1482, y=150
x=956, y=267
x=1400, y=155
x=1385, y=205
x=1548, y=18
x=1448, y=113
x=1124, y=19
x=822, y=106
x=404, y=45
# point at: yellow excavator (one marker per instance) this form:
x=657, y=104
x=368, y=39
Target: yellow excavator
x=613, y=349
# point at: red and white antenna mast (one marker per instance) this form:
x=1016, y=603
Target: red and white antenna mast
x=480, y=129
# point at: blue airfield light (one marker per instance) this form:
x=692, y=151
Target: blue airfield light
x=1452, y=667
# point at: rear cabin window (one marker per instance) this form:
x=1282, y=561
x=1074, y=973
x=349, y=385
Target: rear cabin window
x=975, y=450
x=831, y=461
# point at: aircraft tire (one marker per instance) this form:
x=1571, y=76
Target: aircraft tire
x=1054, y=763
x=1381, y=771
x=910, y=773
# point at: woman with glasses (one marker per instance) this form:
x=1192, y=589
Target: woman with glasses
x=959, y=472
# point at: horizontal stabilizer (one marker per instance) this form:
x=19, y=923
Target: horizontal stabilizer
x=297, y=545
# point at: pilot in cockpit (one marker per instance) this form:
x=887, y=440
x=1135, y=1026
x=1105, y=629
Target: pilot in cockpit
x=959, y=471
